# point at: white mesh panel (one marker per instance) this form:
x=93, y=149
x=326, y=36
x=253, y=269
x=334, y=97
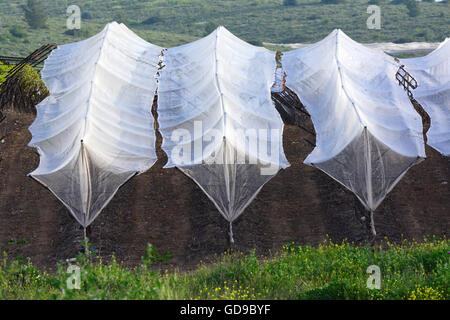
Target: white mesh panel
x=96, y=130
x=368, y=133
x=213, y=102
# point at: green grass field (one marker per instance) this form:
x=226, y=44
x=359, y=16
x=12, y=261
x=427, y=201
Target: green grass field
x=174, y=22
x=411, y=270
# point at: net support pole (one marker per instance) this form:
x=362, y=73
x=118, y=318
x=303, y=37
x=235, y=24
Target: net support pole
x=372, y=225
x=231, y=233
x=86, y=249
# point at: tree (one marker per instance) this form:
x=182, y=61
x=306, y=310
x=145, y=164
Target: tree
x=289, y=3
x=209, y=27
x=4, y=69
x=119, y=17
x=22, y=91
x=334, y=1
x=35, y=15
x=32, y=85
x=18, y=31
x=413, y=8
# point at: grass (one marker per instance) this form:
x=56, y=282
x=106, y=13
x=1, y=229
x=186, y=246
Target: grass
x=4, y=69
x=173, y=22
x=409, y=270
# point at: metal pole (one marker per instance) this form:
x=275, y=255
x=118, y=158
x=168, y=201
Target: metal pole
x=372, y=224
x=231, y=233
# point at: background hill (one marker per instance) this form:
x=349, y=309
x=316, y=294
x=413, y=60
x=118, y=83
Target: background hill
x=174, y=22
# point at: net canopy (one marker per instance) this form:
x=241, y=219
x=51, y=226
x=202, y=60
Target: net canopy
x=433, y=75
x=95, y=130
x=217, y=119
x=368, y=134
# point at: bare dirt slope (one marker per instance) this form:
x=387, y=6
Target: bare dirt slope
x=167, y=209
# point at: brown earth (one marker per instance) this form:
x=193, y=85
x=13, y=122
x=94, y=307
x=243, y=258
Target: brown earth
x=167, y=209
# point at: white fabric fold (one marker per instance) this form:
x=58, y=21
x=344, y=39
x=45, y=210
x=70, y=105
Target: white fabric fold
x=432, y=73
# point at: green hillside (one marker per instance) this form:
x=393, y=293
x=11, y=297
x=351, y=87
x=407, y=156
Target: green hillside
x=174, y=22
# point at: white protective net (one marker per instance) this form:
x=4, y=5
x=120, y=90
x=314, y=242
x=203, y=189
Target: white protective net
x=368, y=133
x=217, y=119
x=95, y=130
x=432, y=73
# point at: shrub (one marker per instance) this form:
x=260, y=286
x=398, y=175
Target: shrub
x=257, y=43
x=426, y=293
x=119, y=17
x=30, y=83
x=35, y=14
x=86, y=15
x=151, y=20
x=404, y=40
x=18, y=31
x=334, y=1
x=210, y=27
x=289, y=3
x=413, y=8
x=83, y=33
x=4, y=71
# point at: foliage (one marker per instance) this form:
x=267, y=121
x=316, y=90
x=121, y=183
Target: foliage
x=410, y=270
x=119, y=17
x=4, y=69
x=32, y=85
x=83, y=33
x=152, y=20
x=152, y=255
x=18, y=31
x=289, y=2
x=174, y=22
x=333, y=1
x=413, y=8
x=86, y=15
x=35, y=14
x=23, y=92
x=210, y=27
x=426, y=293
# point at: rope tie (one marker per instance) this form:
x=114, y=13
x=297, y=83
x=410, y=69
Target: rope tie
x=231, y=233
x=372, y=224
x=86, y=249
